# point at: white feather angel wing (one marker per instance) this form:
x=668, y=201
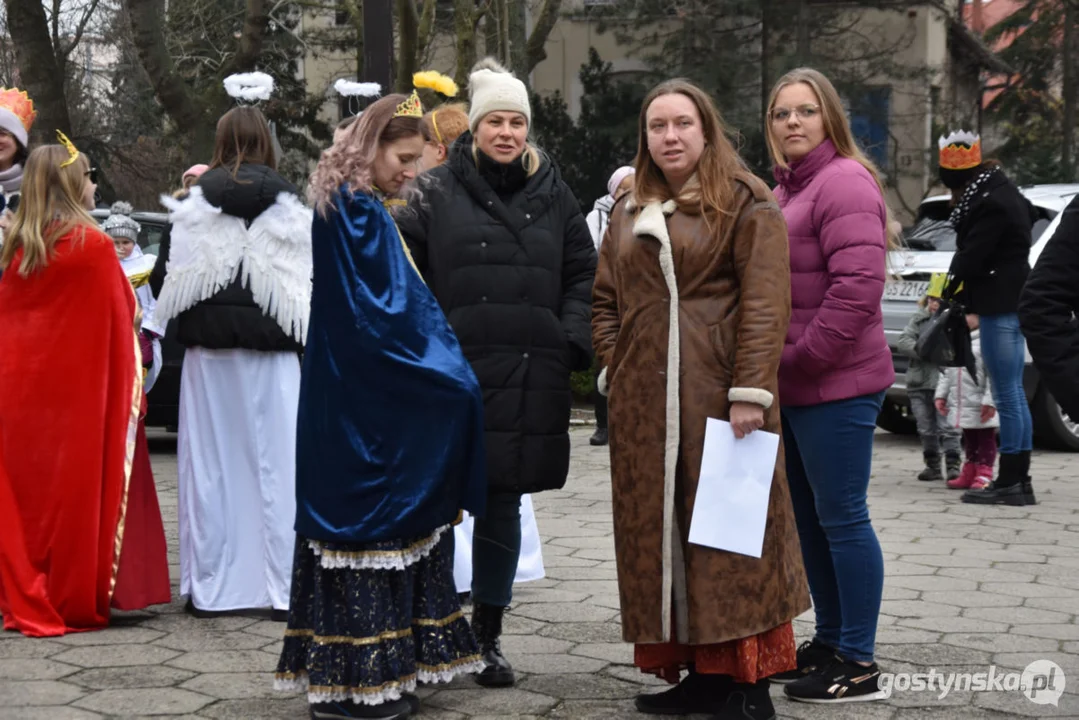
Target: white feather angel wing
x=277, y=264
x=205, y=251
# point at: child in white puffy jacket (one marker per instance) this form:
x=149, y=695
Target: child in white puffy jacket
x=968, y=404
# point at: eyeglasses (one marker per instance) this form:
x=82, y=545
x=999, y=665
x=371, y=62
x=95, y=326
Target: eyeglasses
x=805, y=112
x=92, y=174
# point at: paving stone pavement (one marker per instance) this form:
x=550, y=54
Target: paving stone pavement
x=966, y=588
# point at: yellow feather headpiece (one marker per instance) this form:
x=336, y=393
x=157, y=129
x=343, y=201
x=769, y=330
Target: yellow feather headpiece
x=434, y=80
x=72, y=151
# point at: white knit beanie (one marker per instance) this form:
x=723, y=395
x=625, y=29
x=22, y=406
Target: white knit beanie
x=119, y=223
x=492, y=88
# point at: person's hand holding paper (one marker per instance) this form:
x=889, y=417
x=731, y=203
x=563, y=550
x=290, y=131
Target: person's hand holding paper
x=731, y=507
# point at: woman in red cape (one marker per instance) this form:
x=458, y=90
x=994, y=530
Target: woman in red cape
x=70, y=393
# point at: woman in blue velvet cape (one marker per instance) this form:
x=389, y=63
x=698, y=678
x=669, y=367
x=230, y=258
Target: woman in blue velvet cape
x=390, y=432
x=389, y=448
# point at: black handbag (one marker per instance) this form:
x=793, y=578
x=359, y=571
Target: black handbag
x=945, y=339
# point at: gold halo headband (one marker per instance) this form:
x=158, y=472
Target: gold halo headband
x=72, y=151
x=434, y=124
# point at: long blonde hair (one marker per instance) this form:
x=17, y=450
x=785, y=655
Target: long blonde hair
x=716, y=168
x=836, y=128
x=49, y=208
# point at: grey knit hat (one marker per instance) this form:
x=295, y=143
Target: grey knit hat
x=119, y=222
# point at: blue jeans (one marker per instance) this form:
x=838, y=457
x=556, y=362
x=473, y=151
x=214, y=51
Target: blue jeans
x=829, y=457
x=1004, y=354
x=496, y=549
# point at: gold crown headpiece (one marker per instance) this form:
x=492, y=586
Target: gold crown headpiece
x=72, y=151
x=20, y=105
x=960, y=150
x=412, y=107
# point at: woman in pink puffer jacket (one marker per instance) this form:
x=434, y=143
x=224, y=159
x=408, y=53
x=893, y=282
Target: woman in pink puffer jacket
x=836, y=366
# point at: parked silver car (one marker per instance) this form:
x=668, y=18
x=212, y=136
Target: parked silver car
x=930, y=244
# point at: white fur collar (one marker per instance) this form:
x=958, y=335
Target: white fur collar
x=652, y=220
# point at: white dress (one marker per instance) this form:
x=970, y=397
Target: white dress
x=135, y=264
x=530, y=565
x=236, y=451
x=236, y=459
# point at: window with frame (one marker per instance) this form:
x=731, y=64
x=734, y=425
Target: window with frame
x=870, y=115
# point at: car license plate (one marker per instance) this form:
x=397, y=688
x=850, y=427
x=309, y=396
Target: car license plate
x=912, y=290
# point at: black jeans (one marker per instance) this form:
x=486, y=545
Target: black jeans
x=496, y=549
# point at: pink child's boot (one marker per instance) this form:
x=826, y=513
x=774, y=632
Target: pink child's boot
x=965, y=481
x=982, y=477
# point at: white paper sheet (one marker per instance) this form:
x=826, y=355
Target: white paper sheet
x=731, y=508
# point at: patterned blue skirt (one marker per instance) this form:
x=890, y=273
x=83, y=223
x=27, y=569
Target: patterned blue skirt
x=366, y=622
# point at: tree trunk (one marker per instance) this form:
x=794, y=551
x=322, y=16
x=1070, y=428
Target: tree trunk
x=466, y=20
x=516, y=37
x=378, y=43
x=251, y=39
x=804, y=43
x=537, y=41
x=41, y=74
x=492, y=36
x=427, y=24
x=355, y=13
x=192, y=118
x=1067, y=154
x=408, y=51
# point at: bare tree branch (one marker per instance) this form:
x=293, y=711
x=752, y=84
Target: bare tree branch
x=535, y=52
x=87, y=15
x=56, y=23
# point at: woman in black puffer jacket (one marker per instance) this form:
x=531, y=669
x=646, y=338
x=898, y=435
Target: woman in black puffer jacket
x=502, y=243
x=1047, y=312
x=992, y=221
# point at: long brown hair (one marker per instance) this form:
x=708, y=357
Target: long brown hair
x=836, y=128
x=351, y=161
x=243, y=136
x=49, y=208
x=716, y=168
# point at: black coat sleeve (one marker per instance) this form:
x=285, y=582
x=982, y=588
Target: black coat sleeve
x=578, y=275
x=1047, y=312
x=157, y=275
x=413, y=222
x=989, y=225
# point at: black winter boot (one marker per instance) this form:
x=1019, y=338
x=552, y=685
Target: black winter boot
x=1007, y=489
x=697, y=693
x=748, y=701
x=953, y=465
x=1028, y=483
x=932, y=468
x=487, y=626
